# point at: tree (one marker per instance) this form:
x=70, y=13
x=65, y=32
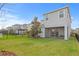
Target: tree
x=35, y=30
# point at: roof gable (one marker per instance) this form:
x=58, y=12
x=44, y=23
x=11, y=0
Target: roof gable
x=56, y=10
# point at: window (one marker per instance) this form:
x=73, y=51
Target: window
x=46, y=18
x=61, y=14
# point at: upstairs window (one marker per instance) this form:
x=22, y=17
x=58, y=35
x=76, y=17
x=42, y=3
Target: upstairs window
x=61, y=14
x=46, y=18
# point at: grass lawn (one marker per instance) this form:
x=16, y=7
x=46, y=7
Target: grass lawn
x=24, y=46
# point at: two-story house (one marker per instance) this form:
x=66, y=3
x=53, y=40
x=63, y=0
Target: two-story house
x=57, y=24
x=18, y=28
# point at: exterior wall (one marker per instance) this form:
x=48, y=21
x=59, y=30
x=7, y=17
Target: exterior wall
x=48, y=32
x=54, y=20
x=19, y=31
x=68, y=22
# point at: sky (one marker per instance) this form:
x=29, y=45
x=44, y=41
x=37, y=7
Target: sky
x=23, y=13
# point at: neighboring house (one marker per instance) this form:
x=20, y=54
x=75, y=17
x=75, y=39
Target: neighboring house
x=77, y=30
x=17, y=29
x=57, y=24
x=74, y=31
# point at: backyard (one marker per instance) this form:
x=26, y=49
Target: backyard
x=24, y=46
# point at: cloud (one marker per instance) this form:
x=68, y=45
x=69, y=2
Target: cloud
x=9, y=19
x=75, y=22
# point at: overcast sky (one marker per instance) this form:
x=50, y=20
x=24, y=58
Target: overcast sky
x=24, y=13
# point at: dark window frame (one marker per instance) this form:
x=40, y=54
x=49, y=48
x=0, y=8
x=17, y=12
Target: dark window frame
x=61, y=14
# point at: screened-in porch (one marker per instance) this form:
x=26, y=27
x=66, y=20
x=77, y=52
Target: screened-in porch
x=54, y=32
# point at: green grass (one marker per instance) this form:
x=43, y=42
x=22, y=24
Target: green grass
x=24, y=46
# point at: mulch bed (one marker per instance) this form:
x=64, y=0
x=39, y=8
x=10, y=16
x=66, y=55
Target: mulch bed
x=7, y=53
